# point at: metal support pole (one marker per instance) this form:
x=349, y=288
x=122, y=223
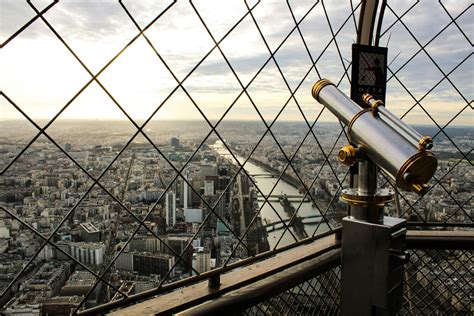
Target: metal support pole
x=373, y=246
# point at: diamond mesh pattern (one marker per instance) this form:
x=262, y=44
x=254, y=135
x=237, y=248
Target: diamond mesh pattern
x=317, y=296
x=437, y=282
x=337, y=27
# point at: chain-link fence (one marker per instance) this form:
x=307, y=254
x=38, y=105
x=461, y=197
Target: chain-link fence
x=104, y=210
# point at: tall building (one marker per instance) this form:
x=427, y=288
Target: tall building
x=66, y=247
x=88, y=253
x=89, y=232
x=145, y=263
x=124, y=261
x=193, y=215
x=208, y=169
x=202, y=261
x=170, y=209
x=185, y=192
x=208, y=187
x=148, y=244
x=174, y=142
x=47, y=253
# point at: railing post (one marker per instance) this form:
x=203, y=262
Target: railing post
x=214, y=281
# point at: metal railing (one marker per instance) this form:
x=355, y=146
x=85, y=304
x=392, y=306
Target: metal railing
x=396, y=20
x=438, y=281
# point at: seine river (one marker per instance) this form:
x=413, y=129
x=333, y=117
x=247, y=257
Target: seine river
x=265, y=183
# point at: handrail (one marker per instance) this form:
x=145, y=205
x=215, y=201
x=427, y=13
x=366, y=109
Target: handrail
x=198, y=293
x=203, y=276
x=257, y=282
x=265, y=289
x=254, y=294
x=436, y=239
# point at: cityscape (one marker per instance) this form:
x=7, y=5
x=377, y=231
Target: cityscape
x=175, y=202
x=181, y=157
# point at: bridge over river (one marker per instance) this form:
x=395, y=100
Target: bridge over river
x=311, y=219
x=291, y=198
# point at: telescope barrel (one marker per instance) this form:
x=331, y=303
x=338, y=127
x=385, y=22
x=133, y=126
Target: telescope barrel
x=407, y=131
x=403, y=160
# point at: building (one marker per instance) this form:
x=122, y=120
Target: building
x=89, y=232
x=193, y=215
x=79, y=284
x=170, y=208
x=145, y=263
x=141, y=286
x=88, y=253
x=60, y=305
x=202, y=261
x=4, y=232
x=152, y=263
x=47, y=253
x=176, y=242
x=174, y=142
x=145, y=243
x=208, y=169
x=49, y=278
x=208, y=187
x=124, y=261
x=64, y=246
x=26, y=303
x=182, y=190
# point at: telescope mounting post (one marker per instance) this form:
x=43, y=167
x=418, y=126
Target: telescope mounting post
x=373, y=245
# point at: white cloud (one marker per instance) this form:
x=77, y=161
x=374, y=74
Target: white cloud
x=42, y=75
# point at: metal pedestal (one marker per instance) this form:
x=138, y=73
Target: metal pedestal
x=373, y=258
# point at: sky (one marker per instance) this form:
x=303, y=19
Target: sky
x=41, y=76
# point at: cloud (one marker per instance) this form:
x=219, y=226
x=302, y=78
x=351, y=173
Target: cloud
x=97, y=30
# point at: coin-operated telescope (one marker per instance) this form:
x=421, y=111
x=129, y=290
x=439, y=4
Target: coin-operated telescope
x=377, y=134
x=373, y=245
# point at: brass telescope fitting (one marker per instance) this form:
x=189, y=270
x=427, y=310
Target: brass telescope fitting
x=423, y=165
x=347, y=155
x=374, y=104
x=366, y=98
x=318, y=86
x=425, y=143
x=379, y=199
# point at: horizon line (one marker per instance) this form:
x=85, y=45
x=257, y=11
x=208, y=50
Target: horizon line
x=202, y=121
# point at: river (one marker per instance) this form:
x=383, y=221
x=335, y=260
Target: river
x=265, y=183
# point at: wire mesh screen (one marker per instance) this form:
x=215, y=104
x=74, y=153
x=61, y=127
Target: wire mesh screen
x=145, y=143
x=439, y=89
x=437, y=282
x=317, y=296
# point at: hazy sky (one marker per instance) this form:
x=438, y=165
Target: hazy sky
x=41, y=75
